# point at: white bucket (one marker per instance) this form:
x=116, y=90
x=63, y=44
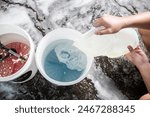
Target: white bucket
x=28, y=71
x=42, y=51
x=82, y=41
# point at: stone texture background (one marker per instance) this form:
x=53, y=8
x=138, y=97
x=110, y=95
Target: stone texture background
x=108, y=78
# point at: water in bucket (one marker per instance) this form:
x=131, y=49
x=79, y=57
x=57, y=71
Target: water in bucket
x=9, y=63
x=64, y=62
x=12, y=64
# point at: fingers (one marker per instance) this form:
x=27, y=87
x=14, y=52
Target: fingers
x=102, y=26
x=137, y=50
x=130, y=54
x=98, y=22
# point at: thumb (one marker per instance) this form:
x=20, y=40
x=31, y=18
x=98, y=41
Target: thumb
x=130, y=48
x=104, y=31
x=128, y=56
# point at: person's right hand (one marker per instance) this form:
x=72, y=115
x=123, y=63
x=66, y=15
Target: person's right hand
x=111, y=24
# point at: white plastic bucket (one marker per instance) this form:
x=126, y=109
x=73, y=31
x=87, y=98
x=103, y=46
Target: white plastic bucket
x=125, y=37
x=42, y=51
x=28, y=71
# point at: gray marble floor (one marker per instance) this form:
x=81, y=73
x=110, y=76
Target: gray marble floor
x=107, y=79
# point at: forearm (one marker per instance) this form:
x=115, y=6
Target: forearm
x=145, y=72
x=141, y=20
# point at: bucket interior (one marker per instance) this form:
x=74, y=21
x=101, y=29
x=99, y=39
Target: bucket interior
x=19, y=44
x=12, y=37
x=56, y=70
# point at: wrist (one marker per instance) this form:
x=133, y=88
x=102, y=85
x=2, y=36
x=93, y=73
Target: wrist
x=125, y=22
x=144, y=66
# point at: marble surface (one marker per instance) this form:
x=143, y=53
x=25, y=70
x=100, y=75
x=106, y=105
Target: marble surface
x=107, y=79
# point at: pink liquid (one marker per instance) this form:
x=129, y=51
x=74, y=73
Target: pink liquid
x=12, y=64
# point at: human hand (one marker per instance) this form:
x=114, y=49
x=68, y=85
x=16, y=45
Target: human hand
x=137, y=57
x=111, y=24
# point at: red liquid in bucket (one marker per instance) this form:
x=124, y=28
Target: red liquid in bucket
x=13, y=64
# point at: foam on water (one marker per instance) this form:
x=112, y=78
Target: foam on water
x=71, y=56
x=64, y=62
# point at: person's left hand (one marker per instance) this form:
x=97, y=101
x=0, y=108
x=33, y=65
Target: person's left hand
x=137, y=56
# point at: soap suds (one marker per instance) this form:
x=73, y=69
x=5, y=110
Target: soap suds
x=71, y=56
